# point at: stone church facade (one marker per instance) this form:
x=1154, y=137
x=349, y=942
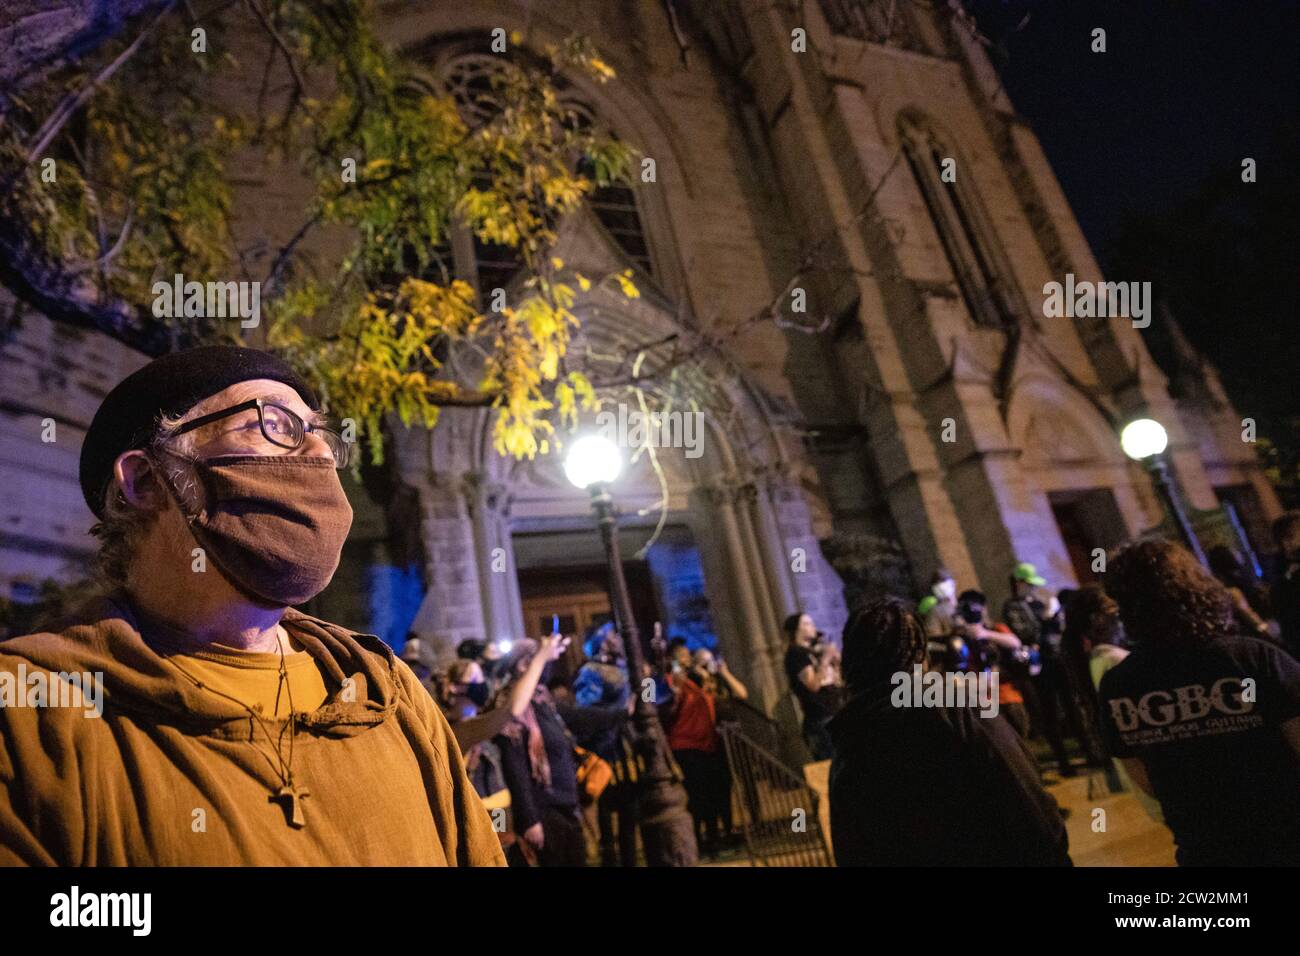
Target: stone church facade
x=935, y=405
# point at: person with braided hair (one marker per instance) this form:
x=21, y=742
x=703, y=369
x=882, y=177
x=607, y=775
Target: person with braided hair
x=928, y=785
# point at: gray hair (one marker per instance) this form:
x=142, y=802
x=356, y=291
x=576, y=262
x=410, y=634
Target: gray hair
x=122, y=526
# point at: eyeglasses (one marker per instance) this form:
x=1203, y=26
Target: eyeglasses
x=281, y=427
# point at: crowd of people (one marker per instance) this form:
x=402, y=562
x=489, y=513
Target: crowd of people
x=545, y=730
x=1177, y=680
x=181, y=687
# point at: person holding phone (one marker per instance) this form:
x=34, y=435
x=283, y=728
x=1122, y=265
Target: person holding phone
x=813, y=679
x=539, y=764
x=698, y=691
x=603, y=683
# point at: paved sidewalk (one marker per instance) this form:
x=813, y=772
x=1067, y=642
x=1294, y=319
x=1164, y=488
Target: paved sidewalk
x=1130, y=838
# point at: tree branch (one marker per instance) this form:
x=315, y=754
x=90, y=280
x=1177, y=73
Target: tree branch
x=299, y=87
x=272, y=280
x=67, y=297
x=39, y=37
x=74, y=101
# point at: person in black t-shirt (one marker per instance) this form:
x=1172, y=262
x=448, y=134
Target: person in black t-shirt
x=810, y=666
x=1205, y=721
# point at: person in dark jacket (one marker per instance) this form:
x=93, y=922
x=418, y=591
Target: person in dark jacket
x=465, y=699
x=602, y=682
x=541, y=773
x=928, y=786
x=1035, y=618
x=538, y=761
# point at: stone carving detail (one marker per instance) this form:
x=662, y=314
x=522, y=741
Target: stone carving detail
x=731, y=490
x=494, y=496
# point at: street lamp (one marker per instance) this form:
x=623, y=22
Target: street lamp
x=1145, y=440
x=666, y=827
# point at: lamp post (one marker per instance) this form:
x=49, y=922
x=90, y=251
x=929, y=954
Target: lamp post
x=1145, y=440
x=666, y=827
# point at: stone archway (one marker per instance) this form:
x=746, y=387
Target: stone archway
x=739, y=501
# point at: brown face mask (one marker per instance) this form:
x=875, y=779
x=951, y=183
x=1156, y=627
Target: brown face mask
x=273, y=524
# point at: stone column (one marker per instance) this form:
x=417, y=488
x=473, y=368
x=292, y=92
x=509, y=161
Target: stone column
x=504, y=583
x=498, y=577
x=514, y=600
x=744, y=605
x=746, y=497
x=776, y=555
x=477, y=495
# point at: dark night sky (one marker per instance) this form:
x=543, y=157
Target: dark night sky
x=1161, y=122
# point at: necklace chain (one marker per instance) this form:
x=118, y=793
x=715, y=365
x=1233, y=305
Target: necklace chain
x=284, y=771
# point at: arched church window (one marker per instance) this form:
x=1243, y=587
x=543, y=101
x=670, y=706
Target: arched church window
x=977, y=260
x=468, y=77
x=615, y=204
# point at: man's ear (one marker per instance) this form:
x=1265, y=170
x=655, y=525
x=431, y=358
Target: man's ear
x=137, y=481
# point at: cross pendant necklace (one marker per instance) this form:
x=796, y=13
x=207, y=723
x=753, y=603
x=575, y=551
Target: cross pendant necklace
x=289, y=796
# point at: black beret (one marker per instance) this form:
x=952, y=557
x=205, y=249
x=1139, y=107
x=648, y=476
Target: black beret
x=169, y=386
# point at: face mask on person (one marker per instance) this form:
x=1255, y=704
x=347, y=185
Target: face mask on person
x=478, y=693
x=273, y=524
x=946, y=590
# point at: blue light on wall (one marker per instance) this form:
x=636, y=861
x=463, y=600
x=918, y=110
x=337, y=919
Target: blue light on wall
x=394, y=599
x=679, y=579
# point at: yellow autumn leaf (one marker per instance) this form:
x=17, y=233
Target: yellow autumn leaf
x=629, y=288
x=602, y=69
x=568, y=408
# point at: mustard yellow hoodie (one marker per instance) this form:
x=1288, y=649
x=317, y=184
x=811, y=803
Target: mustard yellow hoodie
x=169, y=774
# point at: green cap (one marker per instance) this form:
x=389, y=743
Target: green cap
x=1028, y=573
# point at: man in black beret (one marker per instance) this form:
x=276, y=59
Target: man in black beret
x=214, y=724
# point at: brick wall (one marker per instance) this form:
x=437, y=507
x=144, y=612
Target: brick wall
x=52, y=379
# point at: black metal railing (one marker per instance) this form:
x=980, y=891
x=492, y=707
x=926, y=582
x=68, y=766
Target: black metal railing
x=775, y=809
